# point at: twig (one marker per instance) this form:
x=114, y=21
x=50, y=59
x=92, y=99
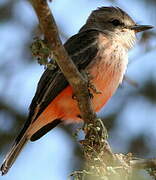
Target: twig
x=143, y=163
x=147, y=164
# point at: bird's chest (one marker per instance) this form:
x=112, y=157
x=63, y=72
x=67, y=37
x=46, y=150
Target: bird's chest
x=107, y=71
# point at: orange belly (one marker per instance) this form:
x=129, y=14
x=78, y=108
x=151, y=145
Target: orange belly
x=64, y=107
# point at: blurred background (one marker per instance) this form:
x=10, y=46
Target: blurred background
x=130, y=115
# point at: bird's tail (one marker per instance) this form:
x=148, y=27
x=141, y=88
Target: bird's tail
x=12, y=154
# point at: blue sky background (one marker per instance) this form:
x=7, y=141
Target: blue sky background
x=53, y=156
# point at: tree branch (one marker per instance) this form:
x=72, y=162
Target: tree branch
x=74, y=77
x=143, y=163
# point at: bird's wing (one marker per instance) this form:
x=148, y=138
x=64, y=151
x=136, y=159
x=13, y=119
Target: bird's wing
x=82, y=48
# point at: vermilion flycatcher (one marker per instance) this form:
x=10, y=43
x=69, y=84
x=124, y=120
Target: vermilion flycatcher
x=100, y=48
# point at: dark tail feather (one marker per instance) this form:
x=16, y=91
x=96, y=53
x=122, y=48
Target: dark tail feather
x=21, y=140
x=12, y=155
x=41, y=132
x=18, y=145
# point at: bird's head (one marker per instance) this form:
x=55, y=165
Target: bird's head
x=116, y=23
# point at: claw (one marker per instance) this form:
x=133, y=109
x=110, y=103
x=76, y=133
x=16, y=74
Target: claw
x=90, y=94
x=91, y=86
x=74, y=97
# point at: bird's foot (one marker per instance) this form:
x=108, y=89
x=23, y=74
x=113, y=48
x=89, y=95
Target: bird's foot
x=91, y=86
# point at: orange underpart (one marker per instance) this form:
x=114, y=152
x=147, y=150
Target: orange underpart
x=63, y=107
x=106, y=75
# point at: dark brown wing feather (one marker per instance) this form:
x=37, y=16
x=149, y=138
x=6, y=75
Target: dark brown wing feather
x=82, y=48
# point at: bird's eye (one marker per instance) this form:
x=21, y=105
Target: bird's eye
x=116, y=22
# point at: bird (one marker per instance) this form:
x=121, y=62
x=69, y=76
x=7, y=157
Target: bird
x=100, y=48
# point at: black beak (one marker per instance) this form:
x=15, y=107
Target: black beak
x=139, y=28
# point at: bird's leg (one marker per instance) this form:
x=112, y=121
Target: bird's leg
x=73, y=96
x=91, y=87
